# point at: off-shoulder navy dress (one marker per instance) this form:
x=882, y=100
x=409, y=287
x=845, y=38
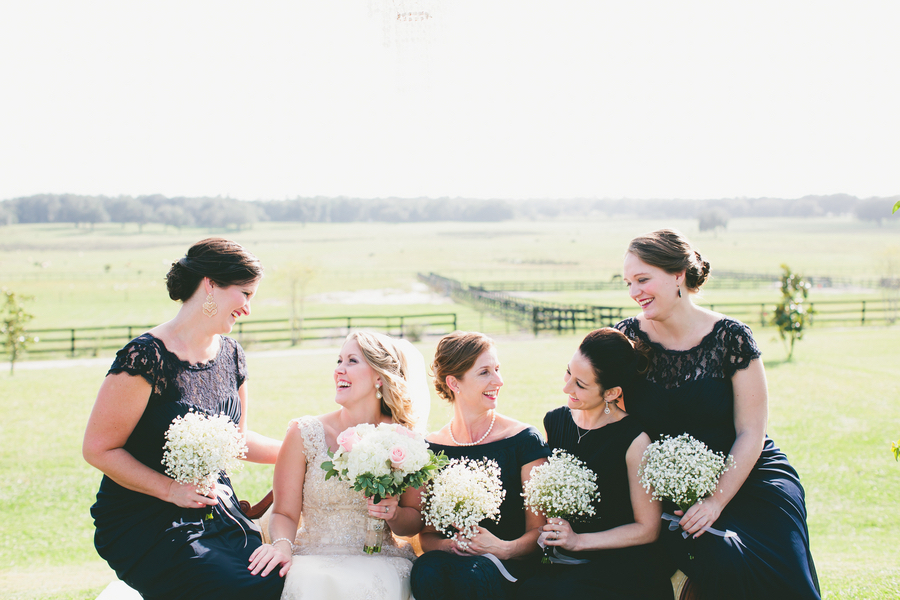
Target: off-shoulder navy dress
x=161, y=550
x=439, y=575
x=691, y=392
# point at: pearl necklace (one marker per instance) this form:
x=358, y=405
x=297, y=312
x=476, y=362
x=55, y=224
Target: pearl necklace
x=481, y=439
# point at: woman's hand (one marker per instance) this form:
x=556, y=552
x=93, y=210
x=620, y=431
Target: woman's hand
x=186, y=495
x=558, y=532
x=700, y=515
x=267, y=557
x=485, y=542
x=386, y=509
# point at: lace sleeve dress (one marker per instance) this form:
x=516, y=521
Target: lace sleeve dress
x=691, y=392
x=161, y=550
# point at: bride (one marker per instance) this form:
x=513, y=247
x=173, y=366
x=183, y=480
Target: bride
x=377, y=380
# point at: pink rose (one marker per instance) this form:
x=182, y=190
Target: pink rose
x=347, y=439
x=404, y=431
x=398, y=456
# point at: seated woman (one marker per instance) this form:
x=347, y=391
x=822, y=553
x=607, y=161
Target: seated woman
x=377, y=380
x=467, y=374
x=163, y=538
x=706, y=378
x=620, y=562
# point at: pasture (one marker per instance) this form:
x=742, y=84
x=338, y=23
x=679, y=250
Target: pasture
x=832, y=409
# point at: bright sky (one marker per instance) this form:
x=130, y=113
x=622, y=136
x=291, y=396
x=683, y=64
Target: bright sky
x=518, y=99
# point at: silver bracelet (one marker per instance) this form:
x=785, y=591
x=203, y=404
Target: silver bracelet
x=283, y=539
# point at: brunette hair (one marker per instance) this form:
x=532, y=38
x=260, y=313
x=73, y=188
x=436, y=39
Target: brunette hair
x=455, y=354
x=386, y=359
x=669, y=250
x=615, y=360
x=223, y=261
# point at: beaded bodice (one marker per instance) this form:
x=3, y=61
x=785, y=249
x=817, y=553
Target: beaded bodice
x=334, y=515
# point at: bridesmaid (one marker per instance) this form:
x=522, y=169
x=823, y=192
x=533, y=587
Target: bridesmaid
x=618, y=558
x=467, y=374
x=706, y=378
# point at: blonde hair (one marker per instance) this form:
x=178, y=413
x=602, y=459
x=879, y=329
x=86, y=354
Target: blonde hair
x=386, y=359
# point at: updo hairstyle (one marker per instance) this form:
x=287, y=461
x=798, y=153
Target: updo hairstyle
x=386, y=359
x=615, y=360
x=669, y=250
x=455, y=354
x=223, y=261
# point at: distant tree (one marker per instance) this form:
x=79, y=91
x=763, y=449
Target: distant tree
x=125, y=210
x=713, y=219
x=792, y=315
x=12, y=325
x=174, y=216
x=872, y=209
x=298, y=276
x=7, y=213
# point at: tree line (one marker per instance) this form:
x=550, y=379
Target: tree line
x=228, y=213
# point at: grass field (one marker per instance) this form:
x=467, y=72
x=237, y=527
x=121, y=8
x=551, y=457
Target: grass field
x=833, y=411
x=114, y=275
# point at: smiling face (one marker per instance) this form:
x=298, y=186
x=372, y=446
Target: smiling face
x=477, y=390
x=655, y=291
x=354, y=379
x=234, y=302
x=581, y=385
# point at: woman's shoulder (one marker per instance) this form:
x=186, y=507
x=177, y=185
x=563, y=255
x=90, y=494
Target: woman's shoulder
x=139, y=356
x=311, y=430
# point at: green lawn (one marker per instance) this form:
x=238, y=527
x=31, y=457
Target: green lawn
x=832, y=410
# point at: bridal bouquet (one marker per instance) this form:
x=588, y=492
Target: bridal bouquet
x=461, y=495
x=381, y=460
x=198, y=447
x=683, y=470
x=563, y=487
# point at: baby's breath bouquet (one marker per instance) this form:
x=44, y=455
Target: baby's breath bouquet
x=461, y=495
x=198, y=447
x=563, y=487
x=381, y=460
x=683, y=470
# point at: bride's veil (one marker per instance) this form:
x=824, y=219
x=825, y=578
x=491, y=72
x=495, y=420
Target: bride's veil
x=417, y=383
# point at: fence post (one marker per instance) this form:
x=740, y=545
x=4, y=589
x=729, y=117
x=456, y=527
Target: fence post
x=454, y=321
x=401, y=327
x=863, y=313
x=73, y=343
x=762, y=314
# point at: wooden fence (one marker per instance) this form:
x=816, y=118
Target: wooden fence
x=540, y=316
x=80, y=341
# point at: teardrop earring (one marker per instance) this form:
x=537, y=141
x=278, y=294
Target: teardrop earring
x=378, y=392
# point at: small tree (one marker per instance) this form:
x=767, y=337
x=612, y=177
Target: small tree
x=792, y=315
x=12, y=325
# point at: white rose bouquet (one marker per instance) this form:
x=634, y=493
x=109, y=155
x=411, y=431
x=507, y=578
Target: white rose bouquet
x=461, y=495
x=198, y=447
x=382, y=460
x=683, y=470
x=562, y=487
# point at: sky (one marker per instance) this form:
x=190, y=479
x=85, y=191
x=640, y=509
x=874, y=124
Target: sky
x=500, y=99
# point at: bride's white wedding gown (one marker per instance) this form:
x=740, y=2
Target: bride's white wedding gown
x=329, y=562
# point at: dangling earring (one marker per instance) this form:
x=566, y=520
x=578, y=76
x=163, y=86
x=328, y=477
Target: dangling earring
x=679, y=291
x=210, y=308
x=606, y=410
x=378, y=392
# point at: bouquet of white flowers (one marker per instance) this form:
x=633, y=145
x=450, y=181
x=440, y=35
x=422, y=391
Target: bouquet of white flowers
x=381, y=460
x=198, y=447
x=461, y=495
x=683, y=470
x=562, y=487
